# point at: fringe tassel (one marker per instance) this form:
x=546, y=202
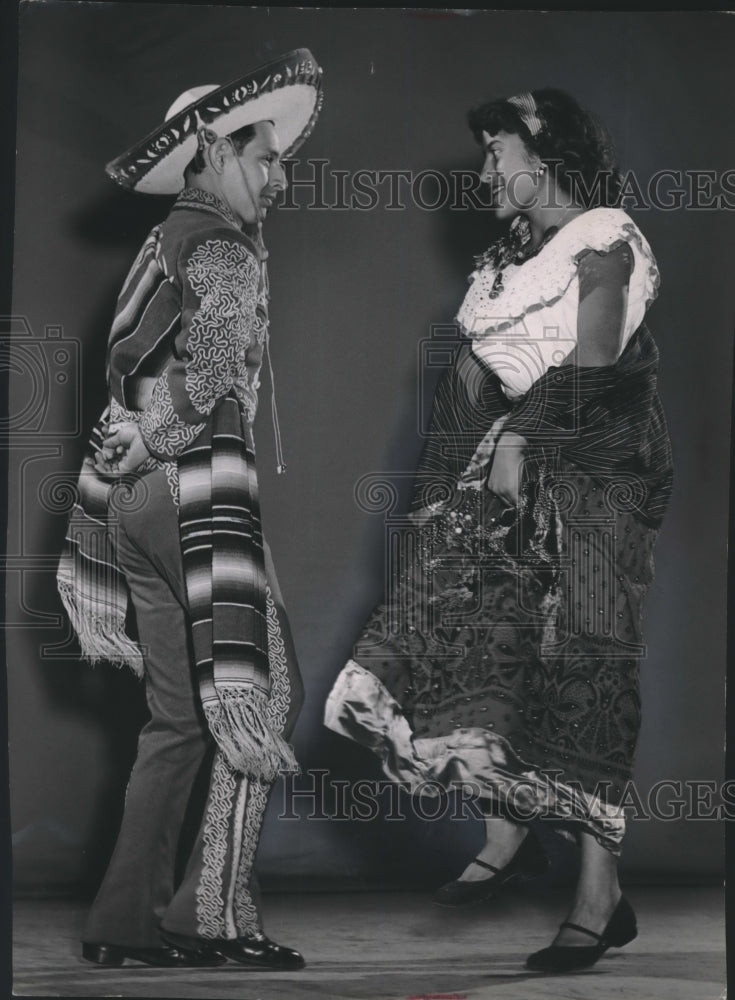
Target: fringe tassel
x=238, y=723
x=101, y=636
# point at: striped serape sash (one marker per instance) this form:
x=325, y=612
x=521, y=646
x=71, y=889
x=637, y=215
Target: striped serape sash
x=224, y=569
x=91, y=585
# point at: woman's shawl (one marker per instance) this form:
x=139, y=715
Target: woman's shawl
x=607, y=422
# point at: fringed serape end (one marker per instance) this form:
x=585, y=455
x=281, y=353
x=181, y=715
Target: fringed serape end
x=237, y=720
x=101, y=632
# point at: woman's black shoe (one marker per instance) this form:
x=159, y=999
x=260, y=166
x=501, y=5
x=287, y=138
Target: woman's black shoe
x=166, y=957
x=620, y=930
x=529, y=860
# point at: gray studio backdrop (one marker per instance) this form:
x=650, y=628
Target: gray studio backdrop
x=356, y=292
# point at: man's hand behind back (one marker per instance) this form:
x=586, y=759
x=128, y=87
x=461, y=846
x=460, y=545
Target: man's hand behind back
x=123, y=450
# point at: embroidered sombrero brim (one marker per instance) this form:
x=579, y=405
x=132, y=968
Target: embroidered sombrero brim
x=286, y=91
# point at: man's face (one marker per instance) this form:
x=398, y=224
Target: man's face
x=255, y=176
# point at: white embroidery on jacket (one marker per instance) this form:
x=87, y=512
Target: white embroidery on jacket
x=224, y=275
x=161, y=426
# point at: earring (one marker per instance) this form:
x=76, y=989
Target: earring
x=540, y=170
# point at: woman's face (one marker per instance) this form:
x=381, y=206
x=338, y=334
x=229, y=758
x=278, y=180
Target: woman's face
x=509, y=170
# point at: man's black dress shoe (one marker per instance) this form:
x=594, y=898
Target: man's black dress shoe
x=620, y=930
x=529, y=860
x=167, y=956
x=255, y=950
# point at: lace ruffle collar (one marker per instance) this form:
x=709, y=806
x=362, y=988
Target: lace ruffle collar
x=544, y=278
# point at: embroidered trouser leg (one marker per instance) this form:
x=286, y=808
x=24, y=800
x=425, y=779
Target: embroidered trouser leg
x=219, y=895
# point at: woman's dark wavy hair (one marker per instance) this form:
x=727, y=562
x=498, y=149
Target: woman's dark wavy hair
x=573, y=143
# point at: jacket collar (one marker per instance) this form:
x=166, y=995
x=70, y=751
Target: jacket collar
x=201, y=200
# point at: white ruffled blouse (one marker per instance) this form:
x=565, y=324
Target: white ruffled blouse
x=531, y=325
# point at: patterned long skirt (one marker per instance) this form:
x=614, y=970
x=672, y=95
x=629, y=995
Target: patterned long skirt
x=505, y=658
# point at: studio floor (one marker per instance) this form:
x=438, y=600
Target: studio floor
x=398, y=946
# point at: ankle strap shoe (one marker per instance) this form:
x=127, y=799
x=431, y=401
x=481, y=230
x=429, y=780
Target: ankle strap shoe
x=529, y=860
x=621, y=929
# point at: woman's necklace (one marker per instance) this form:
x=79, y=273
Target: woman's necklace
x=514, y=248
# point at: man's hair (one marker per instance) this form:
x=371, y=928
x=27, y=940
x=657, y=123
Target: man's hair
x=240, y=139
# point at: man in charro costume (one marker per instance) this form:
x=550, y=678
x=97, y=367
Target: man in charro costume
x=167, y=519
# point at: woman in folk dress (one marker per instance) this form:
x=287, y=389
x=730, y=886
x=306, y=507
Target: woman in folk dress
x=506, y=654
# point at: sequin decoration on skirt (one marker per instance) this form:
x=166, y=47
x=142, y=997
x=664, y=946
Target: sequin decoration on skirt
x=506, y=655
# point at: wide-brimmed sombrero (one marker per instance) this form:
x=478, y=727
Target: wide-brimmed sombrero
x=286, y=91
